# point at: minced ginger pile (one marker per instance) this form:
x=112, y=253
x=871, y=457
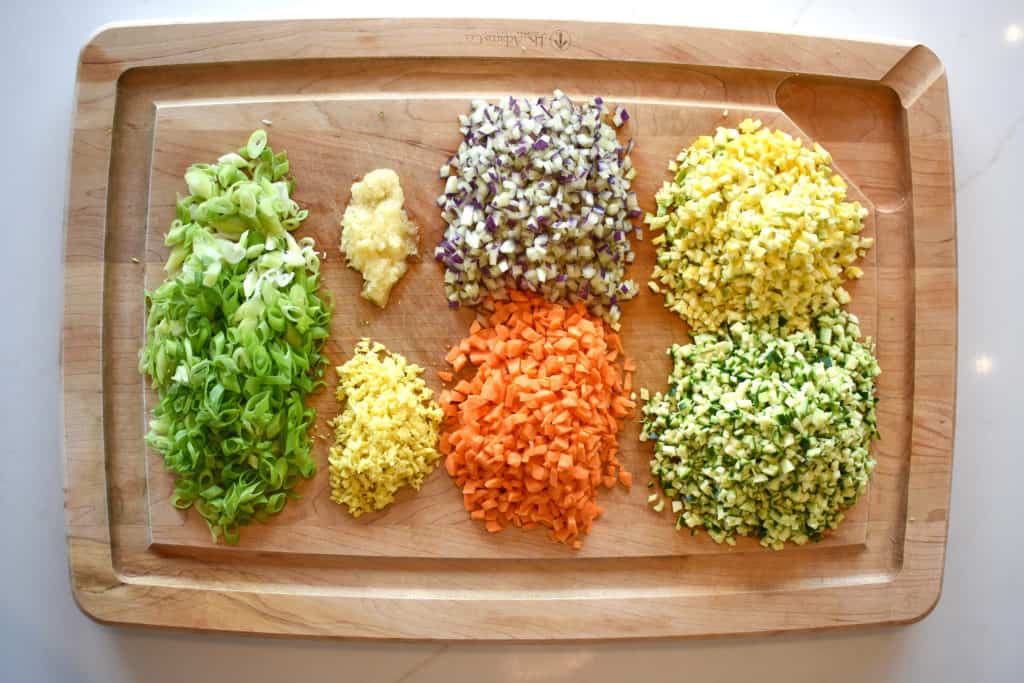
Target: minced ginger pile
x=386, y=435
x=755, y=226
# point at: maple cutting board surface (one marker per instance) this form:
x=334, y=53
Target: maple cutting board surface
x=345, y=97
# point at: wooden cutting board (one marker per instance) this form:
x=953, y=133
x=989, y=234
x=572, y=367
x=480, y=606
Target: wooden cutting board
x=345, y=97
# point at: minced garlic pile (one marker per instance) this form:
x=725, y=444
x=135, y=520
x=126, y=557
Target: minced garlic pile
x=377, y=235
x=755, y=226
x=386, y=435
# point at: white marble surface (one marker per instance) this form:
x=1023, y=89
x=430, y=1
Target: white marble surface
x=973, y=634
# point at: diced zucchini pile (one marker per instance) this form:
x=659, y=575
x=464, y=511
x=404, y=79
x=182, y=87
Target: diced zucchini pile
x=765, y=435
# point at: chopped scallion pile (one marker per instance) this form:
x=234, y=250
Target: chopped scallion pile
x=233, y=341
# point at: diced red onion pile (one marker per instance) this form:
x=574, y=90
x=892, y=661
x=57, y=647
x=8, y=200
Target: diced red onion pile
x=537, y=198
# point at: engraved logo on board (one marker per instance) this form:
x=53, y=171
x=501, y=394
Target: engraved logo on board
x=558, y=39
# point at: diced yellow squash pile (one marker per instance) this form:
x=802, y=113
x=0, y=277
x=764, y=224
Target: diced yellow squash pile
x=755, y=226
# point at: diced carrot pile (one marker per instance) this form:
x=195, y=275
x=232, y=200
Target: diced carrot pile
x=532, y=435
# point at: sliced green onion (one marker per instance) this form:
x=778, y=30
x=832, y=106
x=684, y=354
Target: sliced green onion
x=233, y=342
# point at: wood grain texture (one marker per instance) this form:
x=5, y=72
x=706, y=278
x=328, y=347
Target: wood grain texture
x=152, y=99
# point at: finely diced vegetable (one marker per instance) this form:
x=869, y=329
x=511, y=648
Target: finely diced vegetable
x=755, y=226
x=538, y=198
x=386, y=435
x=766, y=435
x=532, y=435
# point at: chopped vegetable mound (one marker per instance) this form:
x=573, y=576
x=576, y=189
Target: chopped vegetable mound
x=533, y=434
x=537, y=198
x=387, y=432
x=377, y=235
x=765, y=435
x=233, y=341
x=755, y=226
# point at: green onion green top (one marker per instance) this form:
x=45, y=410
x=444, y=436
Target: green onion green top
x=233, y=341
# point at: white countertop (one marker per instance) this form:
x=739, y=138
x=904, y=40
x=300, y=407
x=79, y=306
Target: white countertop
x=973, y=634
